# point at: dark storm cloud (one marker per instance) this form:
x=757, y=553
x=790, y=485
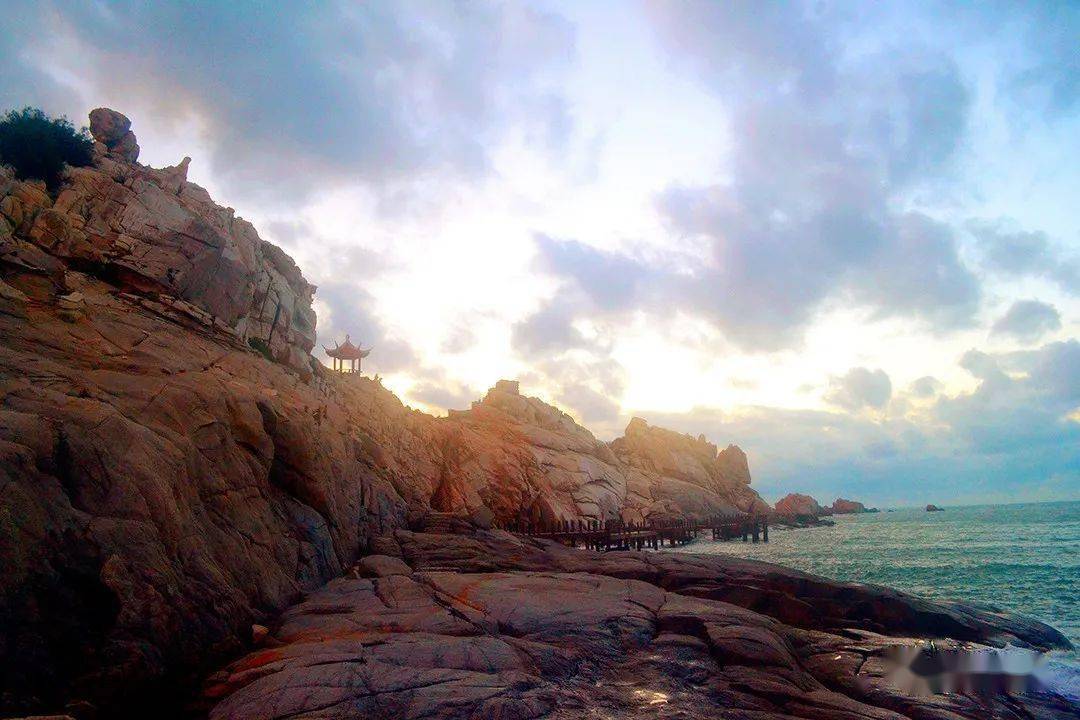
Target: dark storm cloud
x=1028, y=320
x=377, y=92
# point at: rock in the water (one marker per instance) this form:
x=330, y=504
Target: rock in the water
x=933, y=508
x=841, y=506
x=796, y=505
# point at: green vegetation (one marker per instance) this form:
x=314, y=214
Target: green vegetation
x=39, y=146
x=260, y=345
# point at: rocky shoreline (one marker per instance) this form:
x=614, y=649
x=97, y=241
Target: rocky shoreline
x=485, y=624
x=176, y=471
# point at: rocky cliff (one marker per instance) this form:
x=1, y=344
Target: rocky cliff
x=161, y=239
x=175, y=467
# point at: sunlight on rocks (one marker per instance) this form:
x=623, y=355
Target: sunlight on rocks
x=651, y=697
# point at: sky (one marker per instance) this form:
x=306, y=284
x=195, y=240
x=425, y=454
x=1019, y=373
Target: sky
x=841, y=235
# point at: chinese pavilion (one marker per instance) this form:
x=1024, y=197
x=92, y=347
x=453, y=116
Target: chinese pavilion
x=346, y=356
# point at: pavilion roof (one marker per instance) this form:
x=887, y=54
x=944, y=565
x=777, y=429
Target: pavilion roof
x=346, y=351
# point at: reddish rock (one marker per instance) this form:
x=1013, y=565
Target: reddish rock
x=258, y=634
x=166, y=489
x=113, y=130
x=544, y=631
x=841, y=506
x=796, y=505
x=672, y=474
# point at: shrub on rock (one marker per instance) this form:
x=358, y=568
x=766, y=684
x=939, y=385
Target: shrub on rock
x=38, y=146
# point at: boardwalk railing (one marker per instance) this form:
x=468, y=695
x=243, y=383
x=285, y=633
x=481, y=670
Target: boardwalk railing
x=620, y=535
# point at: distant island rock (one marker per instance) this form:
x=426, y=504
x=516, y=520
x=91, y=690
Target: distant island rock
x=934, y=508
x=799, y=505
x=841, y=506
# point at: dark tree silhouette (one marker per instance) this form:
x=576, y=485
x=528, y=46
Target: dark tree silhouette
x=39, y=146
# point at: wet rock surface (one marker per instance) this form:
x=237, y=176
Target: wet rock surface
x=490, y=625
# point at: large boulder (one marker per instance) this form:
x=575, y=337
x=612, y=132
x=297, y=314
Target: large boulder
x=841, y=506
x=797, y=505
x=113, y=130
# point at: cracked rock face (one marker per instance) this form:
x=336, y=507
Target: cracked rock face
x=615, y=636
x=158, y=236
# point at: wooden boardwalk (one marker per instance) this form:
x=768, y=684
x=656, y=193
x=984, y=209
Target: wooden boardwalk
x=619, y=535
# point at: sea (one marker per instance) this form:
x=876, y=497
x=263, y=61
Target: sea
x=1023, y=558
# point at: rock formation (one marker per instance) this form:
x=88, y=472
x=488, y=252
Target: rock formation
x=161, y=239
x=933, y=508
x=841, y=506
x=796, y=505
x=669, y=474
x=488, y=625
x=166, y=487
x=113, y=131
x=175, y=471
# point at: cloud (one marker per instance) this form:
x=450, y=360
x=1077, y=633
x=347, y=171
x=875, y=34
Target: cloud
x=827, y=146
x=1021, y=412
x=1027, y=321
x=349, y=310
x=549, y=331
x=1047, y=81
x=1013, y=252
x=589, y=405
x=461, y=338
x=860, y=388
x=611, y=281
x=1011, y=436
x=371, y=92
x=925, y=387
x=443, y=395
